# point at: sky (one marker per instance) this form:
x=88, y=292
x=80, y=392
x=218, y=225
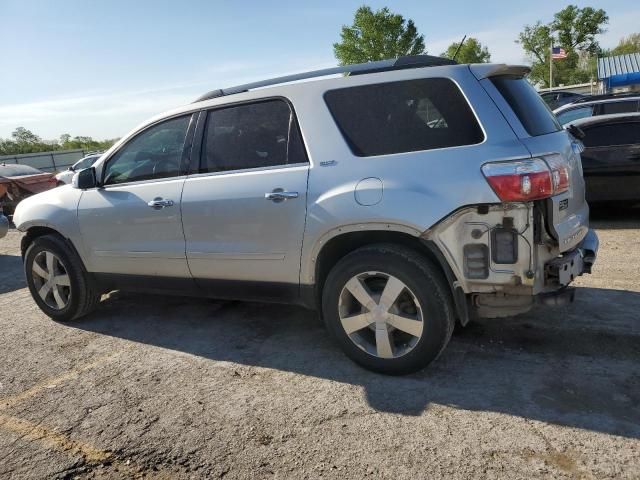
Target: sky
x=99, y=68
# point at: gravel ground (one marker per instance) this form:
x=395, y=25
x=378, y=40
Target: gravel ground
x=186, y=388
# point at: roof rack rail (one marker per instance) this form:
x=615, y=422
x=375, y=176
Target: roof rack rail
x=605, y=96
x=400, y=63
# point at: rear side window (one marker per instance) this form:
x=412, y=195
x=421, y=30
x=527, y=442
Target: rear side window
x=405, y=116
x=618, y=107
x=252, y=135
x=533, y=113
x=612, y=134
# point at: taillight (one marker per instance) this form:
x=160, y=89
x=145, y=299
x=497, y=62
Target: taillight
x=525, y=180
x=559, y=173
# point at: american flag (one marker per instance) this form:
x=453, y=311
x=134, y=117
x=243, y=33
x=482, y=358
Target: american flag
x=558, y=53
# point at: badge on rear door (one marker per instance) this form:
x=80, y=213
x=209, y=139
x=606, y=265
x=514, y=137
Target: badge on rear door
x=564, y=204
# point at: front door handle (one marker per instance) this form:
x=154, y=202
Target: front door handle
x=159, y=203
x=279, y=195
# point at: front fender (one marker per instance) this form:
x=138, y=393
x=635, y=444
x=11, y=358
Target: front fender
x=56, y=209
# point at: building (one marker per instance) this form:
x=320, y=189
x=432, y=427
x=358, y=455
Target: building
x=619, y=73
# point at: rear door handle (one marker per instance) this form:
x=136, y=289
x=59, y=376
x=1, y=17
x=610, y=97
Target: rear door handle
x=279, y=195
x=159, y=203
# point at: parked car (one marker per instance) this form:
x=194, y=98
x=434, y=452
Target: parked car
x=557, y=99
x=65, y=177
x=598, y=105
x=18, y=182
x=396, y=200
x=611, y=158
x=4, y=224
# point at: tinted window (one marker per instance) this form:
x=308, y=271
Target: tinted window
x=155, y=153
x=403, y=116
x=618, y=107
x=569, y=116
x=250, y=136
x=612, y=134
x=533, y=113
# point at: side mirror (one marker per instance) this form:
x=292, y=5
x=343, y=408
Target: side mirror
x=71, y=169
x=85, y=179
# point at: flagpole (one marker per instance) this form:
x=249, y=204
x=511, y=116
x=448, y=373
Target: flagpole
x=551, y=66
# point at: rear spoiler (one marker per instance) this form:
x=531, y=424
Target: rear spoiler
x=487, y=70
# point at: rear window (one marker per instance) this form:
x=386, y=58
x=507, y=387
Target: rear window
x=405, y=116
x=531, y=110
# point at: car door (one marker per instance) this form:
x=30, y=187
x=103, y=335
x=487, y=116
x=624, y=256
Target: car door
x=131, y=224
x=244, y=208
x=611, y=161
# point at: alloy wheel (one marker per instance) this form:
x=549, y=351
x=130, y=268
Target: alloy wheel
x=51, y=280
x=380, y=314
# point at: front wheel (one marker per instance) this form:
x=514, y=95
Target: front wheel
x=57, y=280
x=389, y=309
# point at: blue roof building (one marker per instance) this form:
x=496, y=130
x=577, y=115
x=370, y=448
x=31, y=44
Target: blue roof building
x=619, y=72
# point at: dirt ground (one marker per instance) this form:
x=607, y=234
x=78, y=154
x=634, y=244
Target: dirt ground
x=181, y=388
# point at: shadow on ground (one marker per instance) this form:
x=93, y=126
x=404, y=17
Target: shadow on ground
x=576, y=366
x=11, y=276
x=614, y=216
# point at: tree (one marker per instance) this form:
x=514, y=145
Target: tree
x=630, y=44
x=573, y=29
x=23, y=136
x=471, y=51
x=377, y=36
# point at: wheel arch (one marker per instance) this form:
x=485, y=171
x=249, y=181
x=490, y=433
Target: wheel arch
x=37, y=231
x=347, y=240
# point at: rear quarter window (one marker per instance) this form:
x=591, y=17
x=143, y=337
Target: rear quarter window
x=531, y=110
x=405, y=116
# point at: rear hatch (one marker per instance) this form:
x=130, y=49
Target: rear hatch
x=537, y=128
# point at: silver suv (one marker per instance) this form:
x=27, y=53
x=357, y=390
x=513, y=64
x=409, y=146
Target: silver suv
x=396, y=199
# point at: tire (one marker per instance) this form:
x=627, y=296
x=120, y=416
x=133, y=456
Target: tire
x=378, y=339
x=69, y=297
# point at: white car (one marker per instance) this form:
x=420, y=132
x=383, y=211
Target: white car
x=64, y=178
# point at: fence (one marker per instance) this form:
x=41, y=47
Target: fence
x=47, y=161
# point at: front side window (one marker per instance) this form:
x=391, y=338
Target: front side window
x=574, y=114
x=406, y=116
x=254, y=135
x=154, y=153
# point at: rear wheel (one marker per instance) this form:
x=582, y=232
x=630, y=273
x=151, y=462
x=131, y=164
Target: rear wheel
x=57, y=280
x=389, y=308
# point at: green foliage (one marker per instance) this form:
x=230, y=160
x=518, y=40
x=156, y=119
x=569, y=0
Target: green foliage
x=471, y=51
x=25, y=141
x=377, y=36
x=627, y=45
x=573, y=29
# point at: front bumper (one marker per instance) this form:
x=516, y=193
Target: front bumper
x=4, y=225
x=561, y=271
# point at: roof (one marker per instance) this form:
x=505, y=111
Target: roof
x=613, y=118
x=412, y=61
x=618, y=65
x=17, y=170
x=598, y=99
